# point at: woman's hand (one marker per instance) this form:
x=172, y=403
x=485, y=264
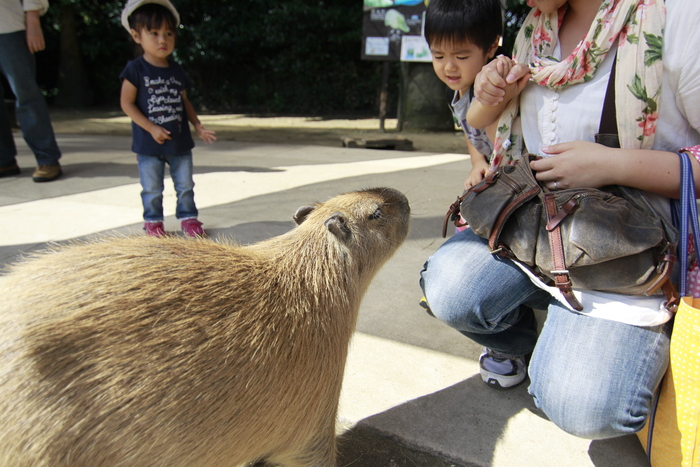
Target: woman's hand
x=577, y=164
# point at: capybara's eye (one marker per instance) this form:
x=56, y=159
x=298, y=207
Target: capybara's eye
x=376, y=214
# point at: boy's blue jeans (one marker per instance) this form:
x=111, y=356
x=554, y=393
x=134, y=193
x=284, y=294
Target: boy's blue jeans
x=18, y=66
x=152, y=175
x=592, y=377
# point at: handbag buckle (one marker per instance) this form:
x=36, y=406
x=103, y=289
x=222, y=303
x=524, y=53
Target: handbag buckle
x=559, y=271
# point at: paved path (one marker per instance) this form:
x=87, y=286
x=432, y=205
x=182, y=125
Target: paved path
x=409, y=379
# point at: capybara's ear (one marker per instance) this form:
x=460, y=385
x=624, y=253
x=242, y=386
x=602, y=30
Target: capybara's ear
x=338, y=226
x=302, y=213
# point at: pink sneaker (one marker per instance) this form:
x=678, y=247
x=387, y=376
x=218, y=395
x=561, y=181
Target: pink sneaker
x=193, y=228
x=154, y=229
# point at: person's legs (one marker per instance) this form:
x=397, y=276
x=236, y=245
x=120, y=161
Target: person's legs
x=595, y=378
x=485, y=297
x=18, y=66
x=181, y=172
x=151, y=173
x=8, y=150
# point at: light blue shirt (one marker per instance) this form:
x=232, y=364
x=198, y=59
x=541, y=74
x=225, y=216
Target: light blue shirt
x=477, y=137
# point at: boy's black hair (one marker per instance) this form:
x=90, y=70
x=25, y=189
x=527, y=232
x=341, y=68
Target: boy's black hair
x=455, y=21
x=152, y=16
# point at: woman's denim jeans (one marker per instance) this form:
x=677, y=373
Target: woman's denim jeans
x=592, y=377
x=18, y=66
x=152, y=175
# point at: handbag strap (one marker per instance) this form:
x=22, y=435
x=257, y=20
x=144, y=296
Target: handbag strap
x=607, y=130
x=688, y=217
x=688, y=208
x=561, y=274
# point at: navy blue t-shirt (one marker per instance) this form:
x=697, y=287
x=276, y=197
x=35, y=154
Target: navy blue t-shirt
x=159, y=97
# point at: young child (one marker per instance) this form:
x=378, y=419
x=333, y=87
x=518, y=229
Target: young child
x=154, y=95
x=463, y=36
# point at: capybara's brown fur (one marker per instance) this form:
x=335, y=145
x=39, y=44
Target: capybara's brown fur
x=172, y=352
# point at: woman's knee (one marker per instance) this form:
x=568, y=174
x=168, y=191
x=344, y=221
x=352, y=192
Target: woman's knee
x=452, y=287
x=587, y=413
x=451, y=306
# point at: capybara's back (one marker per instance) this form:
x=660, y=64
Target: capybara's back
x=138, y=351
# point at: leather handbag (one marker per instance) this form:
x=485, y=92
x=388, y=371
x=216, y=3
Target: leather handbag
x=610, y=240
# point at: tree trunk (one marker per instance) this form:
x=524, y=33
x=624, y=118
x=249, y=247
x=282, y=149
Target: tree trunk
x=73, y=85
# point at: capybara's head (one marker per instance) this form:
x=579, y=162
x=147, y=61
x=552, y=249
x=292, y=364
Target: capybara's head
x=371, y=224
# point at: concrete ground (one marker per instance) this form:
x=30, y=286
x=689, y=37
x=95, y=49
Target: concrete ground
x=412, y=394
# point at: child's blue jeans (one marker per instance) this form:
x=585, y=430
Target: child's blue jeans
x=594, y=378
x=152, y=175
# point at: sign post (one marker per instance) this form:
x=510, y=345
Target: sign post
x=392, y=30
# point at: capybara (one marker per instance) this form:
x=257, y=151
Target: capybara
x=140, y=351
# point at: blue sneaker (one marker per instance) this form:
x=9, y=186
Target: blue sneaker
x=500, y=370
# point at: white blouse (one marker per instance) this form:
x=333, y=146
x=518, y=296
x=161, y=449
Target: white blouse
x=574, y=114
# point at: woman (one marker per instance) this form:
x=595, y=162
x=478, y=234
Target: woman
x=593, y=373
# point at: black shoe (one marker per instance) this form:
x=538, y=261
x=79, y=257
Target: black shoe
x=9, y=171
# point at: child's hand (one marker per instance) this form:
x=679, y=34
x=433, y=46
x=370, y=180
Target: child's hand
x=206, y=135
x=477, y=174
x=159, y=134
x=504, y=65
x=490, y=83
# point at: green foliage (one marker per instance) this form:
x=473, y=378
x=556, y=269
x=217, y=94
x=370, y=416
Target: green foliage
x=278, y=56
x=105, y=46
x=284, y=56
x=516, y=11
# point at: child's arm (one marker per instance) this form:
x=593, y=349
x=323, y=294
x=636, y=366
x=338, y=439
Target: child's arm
x=480, y=167
x=480, y=115
x=127, y=100
x=206, y=135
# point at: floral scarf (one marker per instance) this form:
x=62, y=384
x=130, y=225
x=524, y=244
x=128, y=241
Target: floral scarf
x=637, y=26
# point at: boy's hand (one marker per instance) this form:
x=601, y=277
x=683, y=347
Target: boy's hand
x=477, y=174
x=206, y=135
x=493, y=79
x=159, y=134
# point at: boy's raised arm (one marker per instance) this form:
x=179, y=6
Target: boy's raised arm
x=481, y=115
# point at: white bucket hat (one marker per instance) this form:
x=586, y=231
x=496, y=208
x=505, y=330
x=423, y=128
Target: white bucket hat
x=132, y=5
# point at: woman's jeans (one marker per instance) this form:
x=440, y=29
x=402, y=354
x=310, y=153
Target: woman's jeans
x=152, y=175
x=594, y=378
x=18, y=66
